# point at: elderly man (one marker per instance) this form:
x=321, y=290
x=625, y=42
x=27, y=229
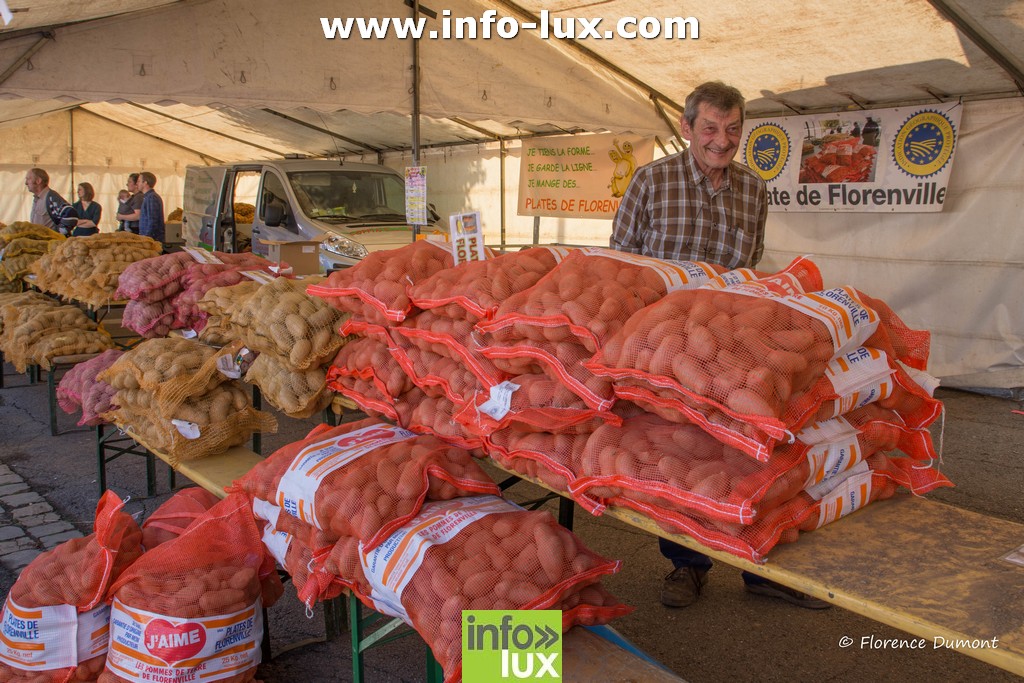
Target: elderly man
x=48, y=207
x=700, y=205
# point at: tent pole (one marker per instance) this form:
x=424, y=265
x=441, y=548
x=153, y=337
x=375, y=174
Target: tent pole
x=415, y=100
x=501, y=158
x=665, y=117
x=71, y=149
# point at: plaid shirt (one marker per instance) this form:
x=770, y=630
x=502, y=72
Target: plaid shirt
x=671, y=211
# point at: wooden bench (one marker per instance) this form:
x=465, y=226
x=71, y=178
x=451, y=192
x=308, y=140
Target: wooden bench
x=924, y=567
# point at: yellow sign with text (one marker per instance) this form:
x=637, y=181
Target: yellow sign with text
x=579, y=176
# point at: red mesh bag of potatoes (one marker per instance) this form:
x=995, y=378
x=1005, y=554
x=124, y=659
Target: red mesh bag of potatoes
x=369, y=359
x=195, y=604
x=80, y=390
x=532, y=402
x=363, y=479
x=589, y=295
x=479, y=287
x=479, y=553
x=743, y=352
x=61, y=593
x=448, y=337
x=558, y=455
x=562, y=361
x=375, y=288
x=176, y=514
x=850, y=381
x=877, y=478
x=867, y=375
x=433, y=415
x=295, y=553
x=441, y=375
x=687, y=469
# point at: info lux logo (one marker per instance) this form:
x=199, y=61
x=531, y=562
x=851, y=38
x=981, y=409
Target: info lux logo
x=509, y=645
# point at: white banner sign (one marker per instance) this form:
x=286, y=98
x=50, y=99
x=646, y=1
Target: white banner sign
x=579, y=176
x=875, y=160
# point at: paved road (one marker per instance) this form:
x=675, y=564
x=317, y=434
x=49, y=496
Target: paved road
x=48, y=492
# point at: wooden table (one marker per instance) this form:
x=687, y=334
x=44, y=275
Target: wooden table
x=927, y=568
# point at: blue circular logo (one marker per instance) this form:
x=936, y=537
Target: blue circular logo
x=767, y=150
x=924, y=144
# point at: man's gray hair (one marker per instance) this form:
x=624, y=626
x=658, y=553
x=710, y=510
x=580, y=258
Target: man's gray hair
x=715, y=94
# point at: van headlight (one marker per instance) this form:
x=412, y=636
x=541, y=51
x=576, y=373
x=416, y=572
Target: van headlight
x=343, y=246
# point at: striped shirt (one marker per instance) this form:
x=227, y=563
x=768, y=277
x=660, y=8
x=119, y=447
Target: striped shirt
x=672, y=211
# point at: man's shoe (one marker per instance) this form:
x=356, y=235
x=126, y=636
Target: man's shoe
x=777, y=590
x=682, y=586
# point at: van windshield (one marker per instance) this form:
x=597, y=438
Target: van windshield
x=349, y=195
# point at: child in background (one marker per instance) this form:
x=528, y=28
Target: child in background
x=122, y=206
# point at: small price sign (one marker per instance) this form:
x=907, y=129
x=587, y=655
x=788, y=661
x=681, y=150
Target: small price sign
x=467, y=237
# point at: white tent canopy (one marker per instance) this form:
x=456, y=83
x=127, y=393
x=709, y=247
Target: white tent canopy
x=95, y=90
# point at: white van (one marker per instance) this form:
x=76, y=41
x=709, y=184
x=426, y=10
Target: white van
x=354, y=208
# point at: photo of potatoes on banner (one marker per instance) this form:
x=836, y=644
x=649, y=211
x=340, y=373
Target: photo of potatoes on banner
x=840, y=150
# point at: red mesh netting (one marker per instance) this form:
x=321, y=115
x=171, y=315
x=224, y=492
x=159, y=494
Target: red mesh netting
x=375, y=288
x=80, y=390
x=479, y=287
x=433, y=415
x=77, y=573
x=441, y=375
x=558, y=455
x=480, y=553
x=877, y=479
x=450, y=338
x=686, y=469
x=367, y=361
x=295, y=550
x=216, y=568
x=153, y=279
x=176, y=514
x=537, y=403
x=851, y=380
x=363, y=479
x=589, y=295
x=736, y=362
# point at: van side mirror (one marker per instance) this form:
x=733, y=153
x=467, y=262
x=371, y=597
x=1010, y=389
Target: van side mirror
x=273, y=215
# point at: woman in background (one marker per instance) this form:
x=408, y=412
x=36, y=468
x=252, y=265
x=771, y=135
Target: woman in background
x=88, y=211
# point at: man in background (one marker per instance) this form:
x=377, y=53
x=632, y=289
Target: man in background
x=131, y=216
x=151, y=214
x=48, y=207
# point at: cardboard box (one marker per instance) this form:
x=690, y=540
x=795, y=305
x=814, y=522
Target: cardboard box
x=303, y=255
x=172, y=233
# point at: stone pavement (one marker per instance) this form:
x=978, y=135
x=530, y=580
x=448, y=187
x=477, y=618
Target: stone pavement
x=30, y=524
